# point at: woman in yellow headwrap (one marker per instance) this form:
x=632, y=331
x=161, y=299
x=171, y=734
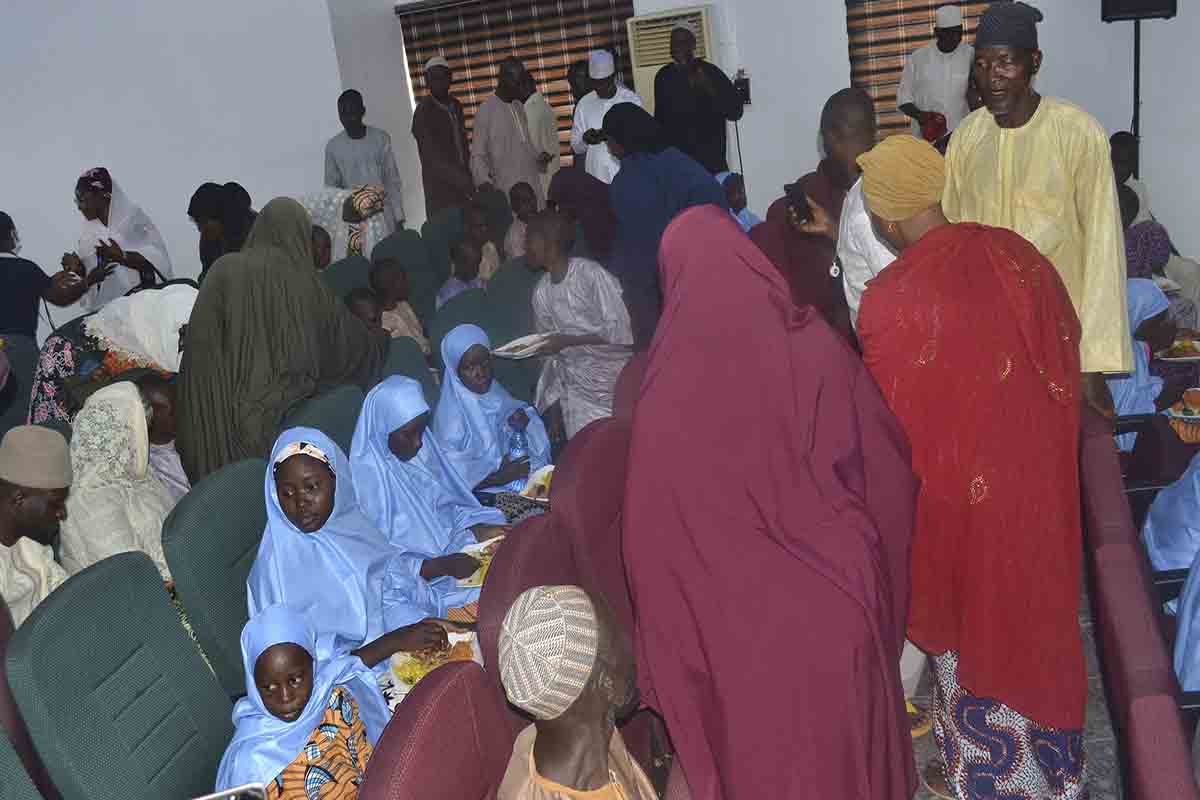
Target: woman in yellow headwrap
x=972, y=337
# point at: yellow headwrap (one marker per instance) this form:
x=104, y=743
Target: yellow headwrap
x=902, y=176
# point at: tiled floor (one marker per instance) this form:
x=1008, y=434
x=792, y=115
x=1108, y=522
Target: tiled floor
x=1104, y=776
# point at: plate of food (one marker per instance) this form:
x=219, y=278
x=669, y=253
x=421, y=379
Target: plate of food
x=524, y=347
x=409, y=668
x=484, y=552
x=1167, y=285
x=1182, y=350
x=538, y=487
x=1187, y=408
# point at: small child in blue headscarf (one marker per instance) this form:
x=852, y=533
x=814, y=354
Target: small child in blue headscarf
x=306, y=727
x=735, y=193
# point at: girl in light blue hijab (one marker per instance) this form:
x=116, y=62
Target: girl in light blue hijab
x=735, y=193
x=476, y=416
x=295, y=698
x=326, y=560
x=1151, y=328
x=1172, y=528
x=1187, y=634
x=410, y=491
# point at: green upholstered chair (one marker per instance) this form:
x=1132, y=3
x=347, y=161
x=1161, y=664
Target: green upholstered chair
x=440, y=232
x=210, y=540
x=334, y=413
x=14, y=781
x=117, y=698
x=349, y=273
x=405, y=358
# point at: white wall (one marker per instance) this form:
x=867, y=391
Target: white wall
x=1170, y=116
x=166, y=94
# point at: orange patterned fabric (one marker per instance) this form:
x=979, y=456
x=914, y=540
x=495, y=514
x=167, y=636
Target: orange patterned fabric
x=332, y=763
x=465, y=615
x=973, y=340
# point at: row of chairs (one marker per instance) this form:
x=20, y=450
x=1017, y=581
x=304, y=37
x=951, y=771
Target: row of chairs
x=1134, y=648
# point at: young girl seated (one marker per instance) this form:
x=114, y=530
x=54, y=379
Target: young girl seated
x=117, y=504
x=389, y=282
x=363, y=304
x=464, y=265
x=477, y=419
x=524, y=206
x=735, y=192
x=325, y=559
x=1153, y=330
x=307, y=725
x=580, y=304
x=477, y=232
x=410, y=491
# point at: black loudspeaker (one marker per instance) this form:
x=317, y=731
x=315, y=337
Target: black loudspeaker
x=1117, y=10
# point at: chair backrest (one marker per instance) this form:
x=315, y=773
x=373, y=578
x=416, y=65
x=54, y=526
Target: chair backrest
x=470, y=306
x=405, y=358
x=440, y=232
x=22, y=353
x=14, y=726
x=404, y=245
x=351, y=272
x=535, y=553
x=447, y=741
x=116, y=696
x=210, y=540
x=334, y=413
x=586, y=497
x=14, y=782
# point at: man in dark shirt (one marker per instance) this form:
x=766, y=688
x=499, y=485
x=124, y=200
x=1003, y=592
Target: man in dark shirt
x=441, y=138
x=25, y=284
x=693, y=100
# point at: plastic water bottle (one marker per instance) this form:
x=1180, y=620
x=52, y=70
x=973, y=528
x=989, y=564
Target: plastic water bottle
x=518, y=448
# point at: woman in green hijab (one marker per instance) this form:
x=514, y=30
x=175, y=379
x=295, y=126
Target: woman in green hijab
x=265, y=334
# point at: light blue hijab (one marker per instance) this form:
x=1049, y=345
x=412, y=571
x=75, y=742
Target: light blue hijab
x=335, y=576
x=263, y=745
x=1187, y=634
x=423, y=506
x=746, y=218
x=1172, y=528
x=1137, y=393
x=473, y=428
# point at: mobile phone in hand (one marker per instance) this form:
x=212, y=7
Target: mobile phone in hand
x=798, y=201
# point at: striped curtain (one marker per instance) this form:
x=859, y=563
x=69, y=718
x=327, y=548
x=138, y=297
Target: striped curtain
x=547, y=35
x=882, y=34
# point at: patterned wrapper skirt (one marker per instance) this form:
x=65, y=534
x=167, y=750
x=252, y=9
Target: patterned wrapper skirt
x=991, y=751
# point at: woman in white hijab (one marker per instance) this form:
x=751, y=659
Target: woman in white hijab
x=117, y=504
x=118, y=237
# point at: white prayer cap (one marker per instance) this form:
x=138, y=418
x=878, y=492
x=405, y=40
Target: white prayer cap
x=600, y=64
x=683, y=25
x=948, y=17
x=436, y=61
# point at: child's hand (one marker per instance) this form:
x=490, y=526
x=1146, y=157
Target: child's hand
x=424, y=635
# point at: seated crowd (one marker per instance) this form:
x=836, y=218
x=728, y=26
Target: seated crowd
x=826, y=358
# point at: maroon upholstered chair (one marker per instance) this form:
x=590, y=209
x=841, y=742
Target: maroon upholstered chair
x=10, y=716
x=447, y=741
x=629, y=386
x=535, y=553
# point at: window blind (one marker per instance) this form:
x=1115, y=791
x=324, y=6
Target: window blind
x=882, y=34
x=547, y=35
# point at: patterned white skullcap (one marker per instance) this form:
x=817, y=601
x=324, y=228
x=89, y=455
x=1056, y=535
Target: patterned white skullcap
x=436, y=61
x=683, y=25
x=303, y=449
x=548, y=647
x=36, y=458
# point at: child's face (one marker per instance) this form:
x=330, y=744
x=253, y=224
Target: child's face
x=392, y=289
x=475, y=369
x=539, y=249
x=369, y=312
x=476, y=229
x=735, y=193
x=524, y=204
x=305, y=487
x=466, y=263
x=405, y=442
x=284, y=677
